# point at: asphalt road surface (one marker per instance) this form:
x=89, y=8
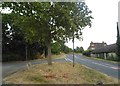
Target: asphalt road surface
x=111, y=69
x=108, y=68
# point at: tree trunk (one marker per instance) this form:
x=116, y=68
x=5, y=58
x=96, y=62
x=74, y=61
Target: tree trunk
x=49, y=48
x=45, y=52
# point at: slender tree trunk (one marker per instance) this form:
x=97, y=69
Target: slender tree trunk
x=49, y=48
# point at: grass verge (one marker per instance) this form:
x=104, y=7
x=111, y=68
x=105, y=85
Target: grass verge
x=54, y=56
x=61, y=55
x=104, y=60
x=100, y=59
x=59, y=73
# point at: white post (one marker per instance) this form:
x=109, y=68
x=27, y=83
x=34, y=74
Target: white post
x=105, y=55
x=27, y=63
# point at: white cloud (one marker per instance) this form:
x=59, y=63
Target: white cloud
x=104, y=27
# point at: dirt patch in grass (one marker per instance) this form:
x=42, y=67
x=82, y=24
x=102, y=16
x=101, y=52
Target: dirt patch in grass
x=59, y=73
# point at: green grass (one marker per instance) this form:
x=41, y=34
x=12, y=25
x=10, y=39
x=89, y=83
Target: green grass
x=96, y=58
x=36, y=78
x=62, y=55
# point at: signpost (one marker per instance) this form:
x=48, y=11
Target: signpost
x=73, y=49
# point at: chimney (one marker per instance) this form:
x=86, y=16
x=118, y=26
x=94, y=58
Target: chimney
x=91, y=42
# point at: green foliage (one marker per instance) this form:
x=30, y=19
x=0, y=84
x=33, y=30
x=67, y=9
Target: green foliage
x=67, y=49
x=56, y=48
x=13, y=43
x=45, y=22
x=87, y=52
x=36, y=19
x=79, y=50
x=112, y=58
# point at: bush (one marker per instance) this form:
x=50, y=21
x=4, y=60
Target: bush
x=87, y=52
x=56, y=48
x=12, y=57
x=112, y=58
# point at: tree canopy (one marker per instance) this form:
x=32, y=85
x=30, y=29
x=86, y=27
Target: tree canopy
x=45, y=22
x=79, y=50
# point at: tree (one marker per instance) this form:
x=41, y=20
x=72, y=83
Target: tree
x=67, y=49
x=87, y=52
x=13, y=43
x=11, y=39
x=118, y=43
x=79, y=50
x=56, y=48
x=48, y=22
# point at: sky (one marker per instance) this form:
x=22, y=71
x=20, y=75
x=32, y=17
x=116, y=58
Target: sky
x=104, y=24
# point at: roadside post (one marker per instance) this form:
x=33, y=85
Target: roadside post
x=73, y=49
x=27, y=62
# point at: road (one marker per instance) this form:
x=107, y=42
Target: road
x=111, y=69
x=108, y=68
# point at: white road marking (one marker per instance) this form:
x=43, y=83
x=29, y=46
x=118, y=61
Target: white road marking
x=86, y=66
x=113, y=67
x=79, y=58
x=116, y=68
x=108, y=64
x=103, y=64
x=68, y=59
x=100, y=64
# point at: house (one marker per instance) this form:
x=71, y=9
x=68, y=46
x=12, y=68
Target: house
x=105, y=51
x=94, y=46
